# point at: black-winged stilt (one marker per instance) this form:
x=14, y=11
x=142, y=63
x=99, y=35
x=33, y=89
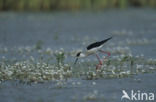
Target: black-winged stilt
x=92, y=49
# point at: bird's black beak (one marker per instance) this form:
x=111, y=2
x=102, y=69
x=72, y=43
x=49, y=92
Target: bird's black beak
x=76, y=61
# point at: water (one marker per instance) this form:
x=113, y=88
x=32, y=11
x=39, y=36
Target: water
x=66, y=29
x=73, y=31
x=109, y=90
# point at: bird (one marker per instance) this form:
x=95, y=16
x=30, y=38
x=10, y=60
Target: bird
x=93, y=48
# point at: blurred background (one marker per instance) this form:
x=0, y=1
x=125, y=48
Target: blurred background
x=52, y=5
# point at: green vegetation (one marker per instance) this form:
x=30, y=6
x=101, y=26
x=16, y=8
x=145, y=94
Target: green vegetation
x=37, y=5
x=59, y=58
x=37, y=69
x=39, y=44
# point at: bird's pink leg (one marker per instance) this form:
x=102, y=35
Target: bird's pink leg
x=100, y=62
x=108, y=53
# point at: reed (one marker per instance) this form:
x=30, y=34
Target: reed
x=46, y=4
x=98, y=4
x=152, y=3
x=1, y=4
x=21, y=5
x=37, y=5
x=123, y=3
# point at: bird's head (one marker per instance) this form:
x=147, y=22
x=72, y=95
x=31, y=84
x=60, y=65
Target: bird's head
x=77, y=56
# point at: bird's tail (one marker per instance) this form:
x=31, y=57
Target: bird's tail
x=103, y=41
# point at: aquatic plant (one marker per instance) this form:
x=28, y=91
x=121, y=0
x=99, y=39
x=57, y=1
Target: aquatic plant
x=43, y=68
x=91, y=96
x=59, y=58
x=39, y=44
x=29, y=71
x=60, y=84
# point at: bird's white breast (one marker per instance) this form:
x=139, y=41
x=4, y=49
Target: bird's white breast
x=94, y=50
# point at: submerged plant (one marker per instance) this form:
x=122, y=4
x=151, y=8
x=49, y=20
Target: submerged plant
x=91, y=96
x=60, y=56
x=39, y=44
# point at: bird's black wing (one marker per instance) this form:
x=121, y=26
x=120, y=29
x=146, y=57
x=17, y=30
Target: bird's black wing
x=97, y=44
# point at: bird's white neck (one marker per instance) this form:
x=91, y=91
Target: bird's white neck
x=83, y=55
